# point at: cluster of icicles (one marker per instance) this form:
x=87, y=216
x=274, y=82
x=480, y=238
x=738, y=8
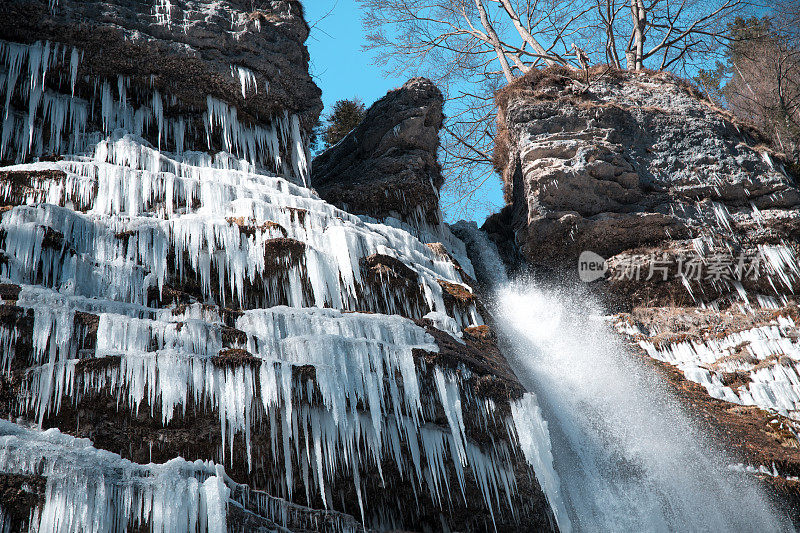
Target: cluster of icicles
x=55, y=121
x=118, y=249
x=768, y=354
x=129, y=220
x=771, y=361
x=95, y=490
x=167, y=361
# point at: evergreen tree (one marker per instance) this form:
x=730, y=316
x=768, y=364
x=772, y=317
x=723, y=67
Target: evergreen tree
x=346, y=115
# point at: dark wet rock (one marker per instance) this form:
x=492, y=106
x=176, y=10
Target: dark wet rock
x=20, y=494
x=186, y=50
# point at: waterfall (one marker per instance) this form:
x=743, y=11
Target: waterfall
x=627, y=456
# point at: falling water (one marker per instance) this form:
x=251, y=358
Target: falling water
x=628, y=457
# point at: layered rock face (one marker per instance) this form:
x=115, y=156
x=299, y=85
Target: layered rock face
x=632, y=160
x=185, y=75
x=191, y=342
x=698, y=221
x=387, y=166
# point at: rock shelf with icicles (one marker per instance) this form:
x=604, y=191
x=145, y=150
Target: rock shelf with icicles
x=757, y=366
x=198, y=293
x=736, y=333
x=44, y=116
x=741, y=347
x=90, y=486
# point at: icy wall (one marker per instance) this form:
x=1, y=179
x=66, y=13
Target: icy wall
x=189, y=341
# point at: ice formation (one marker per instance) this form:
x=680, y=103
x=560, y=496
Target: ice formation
x=768, y=355
x=247, y=79
x=162, y=9
x=55, y=120
x=173, y=284
x=244, y=227
x=120, y=228
x=94, y=490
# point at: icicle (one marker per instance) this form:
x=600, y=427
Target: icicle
x=299, y=155
x=158, y=111
x=74, y=63
x=162, y=10
x=534, y=439
x=246, y=77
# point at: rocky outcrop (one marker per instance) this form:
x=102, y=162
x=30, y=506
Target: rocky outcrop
x=698, y=221
x=632, y=160
x=230, y=75
x=190, y=341
x=387, y=166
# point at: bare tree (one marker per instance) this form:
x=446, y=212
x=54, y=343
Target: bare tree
x=660, y=34
x=471, y=48
x=764, y=84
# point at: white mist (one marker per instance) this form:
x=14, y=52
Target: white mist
x=627, y=456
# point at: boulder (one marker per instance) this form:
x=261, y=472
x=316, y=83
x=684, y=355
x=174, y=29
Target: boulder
x=632, y=160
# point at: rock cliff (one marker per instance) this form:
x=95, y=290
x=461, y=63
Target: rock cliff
x=631, y=160
x=191, y=340
x=697, y=219
x=388, y=166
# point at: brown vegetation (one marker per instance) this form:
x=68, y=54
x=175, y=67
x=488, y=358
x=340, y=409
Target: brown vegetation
x=457, y=292
x=249, y=226
x=234, y=357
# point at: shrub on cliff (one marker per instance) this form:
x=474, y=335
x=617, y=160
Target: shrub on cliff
x=762, y=78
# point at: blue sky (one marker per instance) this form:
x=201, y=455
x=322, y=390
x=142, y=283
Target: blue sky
x=342, y=69
x=339, y=65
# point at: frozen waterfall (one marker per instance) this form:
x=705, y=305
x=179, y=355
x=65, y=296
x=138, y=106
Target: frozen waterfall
x=166, y=302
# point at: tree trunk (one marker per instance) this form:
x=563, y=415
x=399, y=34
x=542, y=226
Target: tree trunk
x=635, y=56
x=611, y=42
x=495, y=40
